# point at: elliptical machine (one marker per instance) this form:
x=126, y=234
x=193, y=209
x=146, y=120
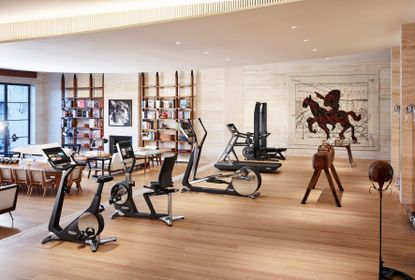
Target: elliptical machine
x=122, y=192
x=243, y=182
x=86, y=228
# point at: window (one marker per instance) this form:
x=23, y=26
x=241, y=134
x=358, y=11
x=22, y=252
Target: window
x=14, y=116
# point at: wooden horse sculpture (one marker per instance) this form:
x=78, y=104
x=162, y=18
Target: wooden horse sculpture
x=322, y=117
x=323, y=161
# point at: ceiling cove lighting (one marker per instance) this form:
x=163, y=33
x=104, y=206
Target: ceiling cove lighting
x=93, y=19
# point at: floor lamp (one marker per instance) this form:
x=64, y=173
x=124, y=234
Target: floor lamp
x=380, y=172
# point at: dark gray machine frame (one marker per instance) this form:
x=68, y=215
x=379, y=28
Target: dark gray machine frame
x=190, y=175
x=225, y=161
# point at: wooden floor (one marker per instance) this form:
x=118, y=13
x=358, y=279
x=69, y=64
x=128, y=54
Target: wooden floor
x=223, y=237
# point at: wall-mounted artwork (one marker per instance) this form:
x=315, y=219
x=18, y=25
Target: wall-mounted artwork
x=334, y=106
x=119, y=112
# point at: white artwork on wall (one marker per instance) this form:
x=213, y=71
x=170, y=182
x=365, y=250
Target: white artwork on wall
x=334, y=106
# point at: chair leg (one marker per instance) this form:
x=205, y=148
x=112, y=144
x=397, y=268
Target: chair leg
x=44, y=190
x=78, y=186
x=11, y=216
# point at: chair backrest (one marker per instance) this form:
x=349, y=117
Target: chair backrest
x=21, y=176
x=6, y=174
x=37, y=176
x=165, y=176
x=8, y=198
x=77, y=174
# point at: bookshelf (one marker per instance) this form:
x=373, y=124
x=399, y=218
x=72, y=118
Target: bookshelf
x=165, y=101
x=83, y=110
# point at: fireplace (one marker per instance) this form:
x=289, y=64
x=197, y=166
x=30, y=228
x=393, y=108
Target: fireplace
x=114, y=139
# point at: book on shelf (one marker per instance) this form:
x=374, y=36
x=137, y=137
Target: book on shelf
x=68, y=103
x=147, y=125
x=80, y=103
x=184, y=103
x=166, y=115
x=168, y=104
x=148, y=136
x=96, y=113
x=148, y=114
x=150, y=104
x=183, y=115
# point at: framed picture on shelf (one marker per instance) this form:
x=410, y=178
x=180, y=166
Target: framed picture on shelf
x=119, y=112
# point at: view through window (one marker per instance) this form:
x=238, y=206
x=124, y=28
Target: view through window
x=14, y=116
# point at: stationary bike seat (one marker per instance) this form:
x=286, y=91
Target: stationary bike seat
x=104, y=179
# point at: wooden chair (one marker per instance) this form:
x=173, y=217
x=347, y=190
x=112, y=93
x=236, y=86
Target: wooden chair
x=6, y=176
x=38, y=178
x=76, y=177
x=21, y=178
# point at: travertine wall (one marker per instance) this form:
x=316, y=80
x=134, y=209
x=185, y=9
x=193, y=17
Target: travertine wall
x=229, y=94
x=408, y=127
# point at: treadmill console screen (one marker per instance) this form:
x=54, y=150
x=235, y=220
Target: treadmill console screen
x=57, y=156
x=187, y=129
x=126, y=150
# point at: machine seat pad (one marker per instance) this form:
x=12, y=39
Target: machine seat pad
x=104, y=179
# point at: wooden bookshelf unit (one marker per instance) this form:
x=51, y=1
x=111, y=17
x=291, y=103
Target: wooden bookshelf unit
x=163, y=106
x=83, y=111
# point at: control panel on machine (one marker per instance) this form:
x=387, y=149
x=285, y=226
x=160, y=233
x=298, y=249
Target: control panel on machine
x=58, y=158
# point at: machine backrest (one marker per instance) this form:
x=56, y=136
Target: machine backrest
x=165, y=176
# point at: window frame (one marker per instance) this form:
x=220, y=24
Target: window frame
x=6, y=102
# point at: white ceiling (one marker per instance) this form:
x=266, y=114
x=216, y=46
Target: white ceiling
x=333, y=27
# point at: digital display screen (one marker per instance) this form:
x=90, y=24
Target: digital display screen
x=126, y=149
x=57, y=155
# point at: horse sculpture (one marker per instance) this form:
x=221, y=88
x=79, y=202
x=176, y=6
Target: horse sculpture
x=323, y=117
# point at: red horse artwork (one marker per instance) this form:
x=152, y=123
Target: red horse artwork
x=333, y=116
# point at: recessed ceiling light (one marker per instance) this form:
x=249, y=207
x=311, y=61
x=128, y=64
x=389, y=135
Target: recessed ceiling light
x=206, y=52
x=305, y=40
x=178, y=42
x=293, y=27
x=327, y=58
x=227, y=59
x=314, y=50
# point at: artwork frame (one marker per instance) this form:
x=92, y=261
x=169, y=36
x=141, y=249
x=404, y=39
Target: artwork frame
x=359, y=93
x=120, y=112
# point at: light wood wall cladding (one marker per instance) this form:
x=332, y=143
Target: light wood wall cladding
x=229, y=94
x=395, y=102
x=408, y=127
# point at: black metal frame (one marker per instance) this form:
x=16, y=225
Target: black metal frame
x=261, y=151
x=163, y=186
x=72, y=232
x=225, y=161
x=193, y=165
x=6, y=147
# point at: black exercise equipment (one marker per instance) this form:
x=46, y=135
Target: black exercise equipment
x=244, y=182
x=259, y=150
x=122, y=193
x=239, y=139
x=86, y=228
x=382, y=172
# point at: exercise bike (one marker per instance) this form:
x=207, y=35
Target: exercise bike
x=122, y=192
x=243, y=182
x=87, y=227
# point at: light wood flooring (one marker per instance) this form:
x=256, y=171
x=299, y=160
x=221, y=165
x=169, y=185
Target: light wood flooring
x=223, y=237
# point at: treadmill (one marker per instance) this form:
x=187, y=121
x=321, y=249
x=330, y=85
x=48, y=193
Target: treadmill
x=225, y=162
